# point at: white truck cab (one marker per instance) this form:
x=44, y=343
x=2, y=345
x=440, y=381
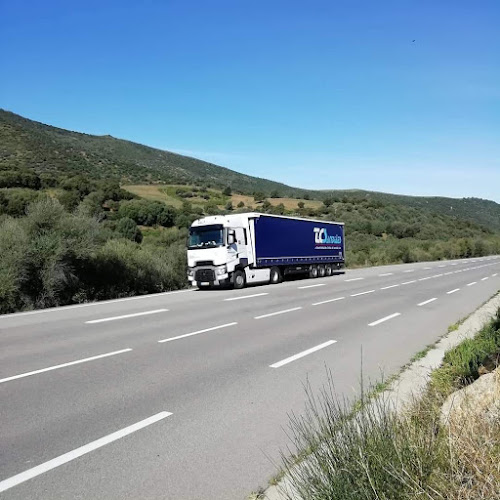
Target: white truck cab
x=220, y=251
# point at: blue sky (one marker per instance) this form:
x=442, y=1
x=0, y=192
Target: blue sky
x=317, y=94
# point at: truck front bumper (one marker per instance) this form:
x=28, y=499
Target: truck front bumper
x=220, y=280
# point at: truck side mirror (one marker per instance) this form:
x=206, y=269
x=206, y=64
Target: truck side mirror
x=231, y=237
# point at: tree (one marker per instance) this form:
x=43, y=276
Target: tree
x=240, y=204
x=275, y=194
x=127, y=228
x=300, y=204
x=327, y=202
x=258, y=196
x=279, y=209
x=227, y=191
x=211, y=209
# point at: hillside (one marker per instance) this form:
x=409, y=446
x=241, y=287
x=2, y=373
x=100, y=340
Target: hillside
x=26, y=144
x=485, y=212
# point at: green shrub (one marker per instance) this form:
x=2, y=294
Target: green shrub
x=461, y=364
x=127, y=228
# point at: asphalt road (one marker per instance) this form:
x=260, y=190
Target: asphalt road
x=185, y=395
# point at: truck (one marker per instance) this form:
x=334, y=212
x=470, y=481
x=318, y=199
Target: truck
x=240, y=249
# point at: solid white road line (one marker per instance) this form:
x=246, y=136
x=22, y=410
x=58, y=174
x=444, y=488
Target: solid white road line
x=386, y=318
x=386, y=274
x=453, y=291
x=437, y=275
x=408, y=282
x=247, y=296
x=427, y=302
x=277, y=312
x=448, y=273
x=198, y=332
x=354, y=279
x=362, y=293
x=426, y=278
x=473, y=283
x=302, y=354
x=83, y=450
x=328, y=301
x=387, y=287
x=310, y=286
x=64, y=365
x=125, y=316
x=90, y=304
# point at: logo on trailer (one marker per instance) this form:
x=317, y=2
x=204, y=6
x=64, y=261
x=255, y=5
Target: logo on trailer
x=321, y=237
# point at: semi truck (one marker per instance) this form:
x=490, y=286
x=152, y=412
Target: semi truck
x=240, y=249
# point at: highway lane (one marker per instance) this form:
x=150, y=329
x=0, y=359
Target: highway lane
x=227, y=403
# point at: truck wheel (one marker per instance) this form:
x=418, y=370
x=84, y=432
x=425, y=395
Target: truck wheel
x=321, y=271
x=328, y=270
x=239, y=280
x=313, y=272
x=275, y=275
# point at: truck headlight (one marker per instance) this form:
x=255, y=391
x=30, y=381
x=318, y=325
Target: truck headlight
x=221, y=270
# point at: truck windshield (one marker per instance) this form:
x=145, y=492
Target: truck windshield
x=206, y=237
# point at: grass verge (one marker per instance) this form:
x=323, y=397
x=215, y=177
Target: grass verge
x=374, y=453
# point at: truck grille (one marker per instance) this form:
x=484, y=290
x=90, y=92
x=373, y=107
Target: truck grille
x=205, y=275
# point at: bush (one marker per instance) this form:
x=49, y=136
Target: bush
x=14, y=201
x=13, y=241
x=51, y=258
x=127, y=228
x=123, y=268
x=148, y=213
x=461, y=364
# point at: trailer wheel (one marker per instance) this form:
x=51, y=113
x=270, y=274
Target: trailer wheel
x=275, y=275
x=321, y=271
x=239, y=280
x=313, y=272
x=328, y=270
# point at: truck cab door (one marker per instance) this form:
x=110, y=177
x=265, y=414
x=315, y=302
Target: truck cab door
x=242, y=245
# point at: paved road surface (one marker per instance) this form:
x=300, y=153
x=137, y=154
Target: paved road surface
x=185, y=395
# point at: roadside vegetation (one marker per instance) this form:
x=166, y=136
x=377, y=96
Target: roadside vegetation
x=372, y=452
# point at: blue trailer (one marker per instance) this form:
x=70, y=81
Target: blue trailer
x=287, y=241
x=248, y=248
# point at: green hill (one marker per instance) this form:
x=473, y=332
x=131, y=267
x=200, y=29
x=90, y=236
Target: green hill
x=484, y=212
x=30, y=145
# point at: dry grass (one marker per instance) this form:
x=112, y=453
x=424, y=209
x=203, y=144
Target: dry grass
x=153, y=192
x=475, y=455
x=165, y=193
x=289, y=203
